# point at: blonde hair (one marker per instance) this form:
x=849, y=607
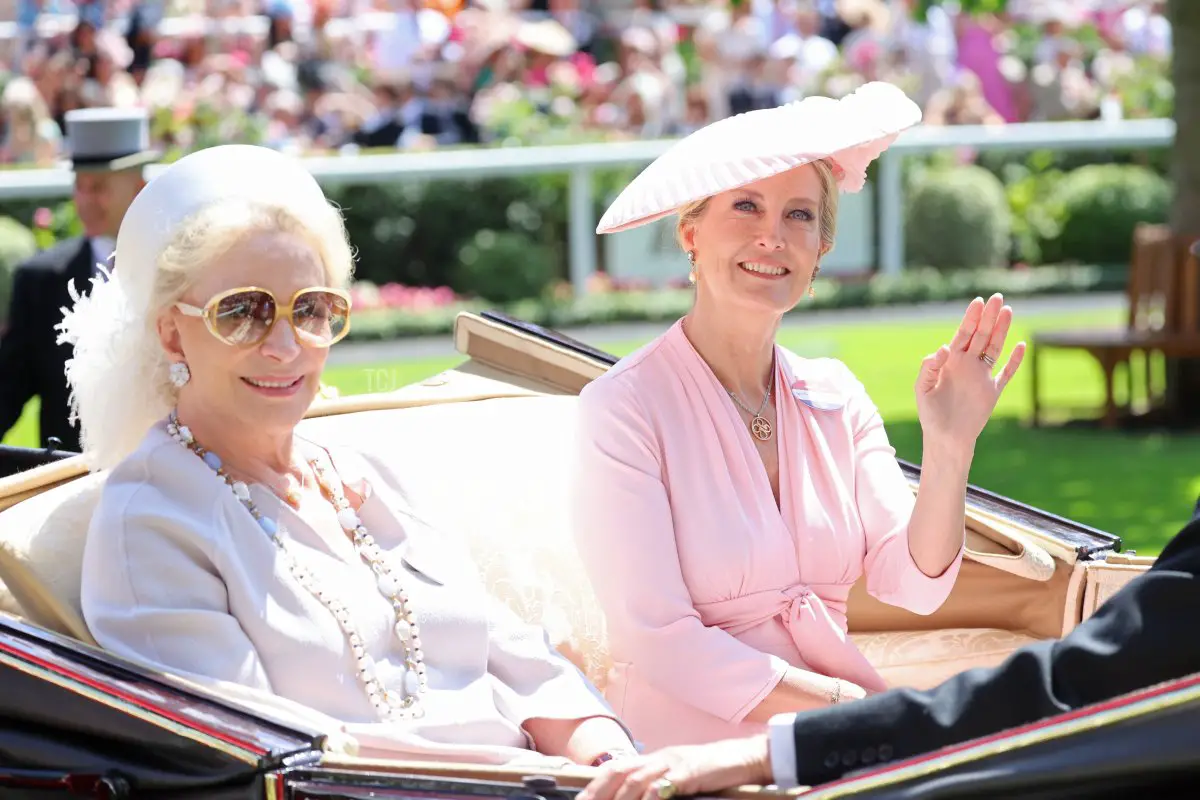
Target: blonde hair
x=690, y=213
x=117, y=345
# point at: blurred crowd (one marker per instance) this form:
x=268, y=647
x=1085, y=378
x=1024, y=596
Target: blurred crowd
x=346, y=75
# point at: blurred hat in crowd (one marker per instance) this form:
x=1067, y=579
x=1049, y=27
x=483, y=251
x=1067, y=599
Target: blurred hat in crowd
x=109, y=139
x=546, y=36
x=870, y=14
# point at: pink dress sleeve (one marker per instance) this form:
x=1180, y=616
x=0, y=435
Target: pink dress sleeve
x=626, y=538
x=885, y=505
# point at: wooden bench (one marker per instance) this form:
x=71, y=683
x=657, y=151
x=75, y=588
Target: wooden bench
x=1162, y=294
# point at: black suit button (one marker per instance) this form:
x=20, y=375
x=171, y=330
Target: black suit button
x=832, y=761
x=885, y=752
x=868, y=755
x=849, y=758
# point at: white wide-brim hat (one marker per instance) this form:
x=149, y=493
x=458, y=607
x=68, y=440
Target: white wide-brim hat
x=739, y=150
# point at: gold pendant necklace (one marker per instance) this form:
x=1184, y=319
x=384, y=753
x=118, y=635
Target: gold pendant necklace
x=760, y=426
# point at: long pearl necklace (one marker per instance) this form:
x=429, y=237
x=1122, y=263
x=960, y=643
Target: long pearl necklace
x=389, y=704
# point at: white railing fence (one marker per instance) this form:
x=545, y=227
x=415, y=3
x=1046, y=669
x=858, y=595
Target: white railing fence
x=50, y=25
x=581, y=160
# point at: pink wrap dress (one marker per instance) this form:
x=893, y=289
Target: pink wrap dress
x=709, y=588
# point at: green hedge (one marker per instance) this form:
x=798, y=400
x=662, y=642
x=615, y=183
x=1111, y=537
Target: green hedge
x=1099, y=206
x=464, y=233
x=955, y=216
x=17, y=243
x=1033, y=213
x=913, y=286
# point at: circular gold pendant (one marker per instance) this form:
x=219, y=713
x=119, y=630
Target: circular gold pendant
x=761, y=429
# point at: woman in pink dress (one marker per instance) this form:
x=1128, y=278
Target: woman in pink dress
x=728, y=492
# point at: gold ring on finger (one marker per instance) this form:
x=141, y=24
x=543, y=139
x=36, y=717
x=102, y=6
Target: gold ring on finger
x=985, y=358
x=664, y=789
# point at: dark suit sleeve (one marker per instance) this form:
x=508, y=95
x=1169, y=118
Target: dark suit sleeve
x=18, y=377
x=1144, y=635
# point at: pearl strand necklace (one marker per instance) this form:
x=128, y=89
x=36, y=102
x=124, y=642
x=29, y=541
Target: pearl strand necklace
x=389, y=704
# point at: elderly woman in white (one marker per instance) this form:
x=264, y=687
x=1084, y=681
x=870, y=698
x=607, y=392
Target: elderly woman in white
x=228, y=548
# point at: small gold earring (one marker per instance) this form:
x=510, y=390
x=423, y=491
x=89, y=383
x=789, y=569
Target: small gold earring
x=691, y=256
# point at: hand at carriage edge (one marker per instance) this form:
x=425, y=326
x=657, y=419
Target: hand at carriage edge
x=957, y=389
x=684, y=770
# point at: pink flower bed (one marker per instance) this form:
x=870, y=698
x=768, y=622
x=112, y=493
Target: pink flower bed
x=603, y=283
x=367, y=296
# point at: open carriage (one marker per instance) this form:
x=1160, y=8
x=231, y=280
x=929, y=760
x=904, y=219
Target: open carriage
x=486, y=444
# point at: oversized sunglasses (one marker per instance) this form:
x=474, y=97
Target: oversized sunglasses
x=243, y=317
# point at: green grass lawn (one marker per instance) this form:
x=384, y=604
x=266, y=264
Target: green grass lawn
x=1139, y=486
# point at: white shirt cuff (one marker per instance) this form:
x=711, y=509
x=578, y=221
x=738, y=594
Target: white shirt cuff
x=783, y=750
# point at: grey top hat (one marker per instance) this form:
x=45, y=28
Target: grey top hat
x=109, y=139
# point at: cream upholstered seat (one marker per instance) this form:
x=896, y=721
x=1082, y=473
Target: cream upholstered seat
x=41, y=554
x=498, y=472
x=495, y=470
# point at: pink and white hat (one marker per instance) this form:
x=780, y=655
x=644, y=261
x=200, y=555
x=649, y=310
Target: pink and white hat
x=851, y=132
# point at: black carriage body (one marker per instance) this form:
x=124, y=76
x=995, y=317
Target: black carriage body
x=77, y=722
x=74, y=719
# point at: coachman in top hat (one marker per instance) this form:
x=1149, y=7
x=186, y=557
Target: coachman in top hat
x=109, y=149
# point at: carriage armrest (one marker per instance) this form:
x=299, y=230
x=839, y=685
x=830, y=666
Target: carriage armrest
x=19, y=459
x=41, y=554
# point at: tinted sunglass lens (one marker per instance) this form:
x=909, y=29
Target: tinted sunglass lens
x=244, y=318
x=321, y=316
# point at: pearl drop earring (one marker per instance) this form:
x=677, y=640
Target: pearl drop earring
x=180, y=374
